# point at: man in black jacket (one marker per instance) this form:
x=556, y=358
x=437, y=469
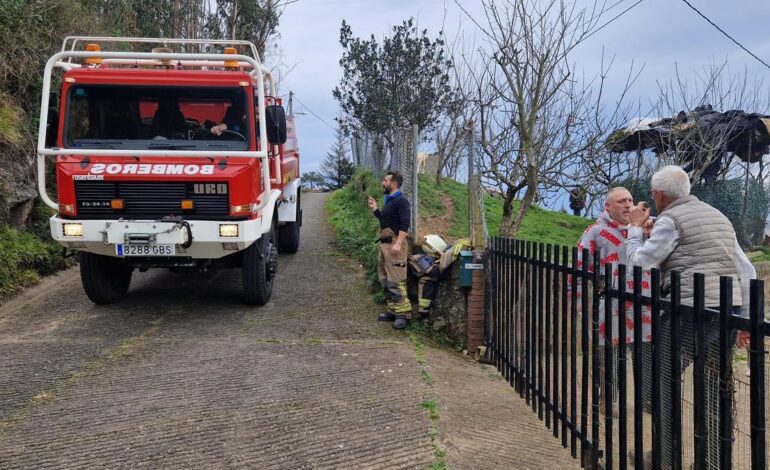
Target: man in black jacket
x=394, y=251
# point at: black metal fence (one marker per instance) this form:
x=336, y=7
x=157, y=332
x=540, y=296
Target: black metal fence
x=688, y=400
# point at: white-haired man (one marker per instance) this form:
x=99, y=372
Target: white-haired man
x=691, y=237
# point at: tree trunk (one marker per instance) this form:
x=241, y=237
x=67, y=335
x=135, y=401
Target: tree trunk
x=505, y=222
x=529, y=197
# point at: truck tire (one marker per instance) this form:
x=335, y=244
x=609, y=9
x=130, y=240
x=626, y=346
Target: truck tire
x=288, y=233
x=105, y=279
x=260, y=263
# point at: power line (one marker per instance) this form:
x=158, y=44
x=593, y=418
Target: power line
x=726, y=35
x=314, y=114
x=614, y=18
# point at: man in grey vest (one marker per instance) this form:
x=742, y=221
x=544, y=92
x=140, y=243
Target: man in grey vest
x=691, y=237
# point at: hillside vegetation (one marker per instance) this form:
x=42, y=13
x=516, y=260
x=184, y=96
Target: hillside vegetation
x=25, y=256
x=539, y=225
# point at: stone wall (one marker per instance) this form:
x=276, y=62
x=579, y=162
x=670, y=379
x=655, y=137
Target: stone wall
x=448, y=317
x=457, y=315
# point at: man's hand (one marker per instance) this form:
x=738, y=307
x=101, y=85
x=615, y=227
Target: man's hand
x=218, y=129
x=640, y=214
x=647, y=227
x=395, y=248
x=371, y=203
x=743, y=339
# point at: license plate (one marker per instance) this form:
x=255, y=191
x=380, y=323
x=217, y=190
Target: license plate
x=145, y=250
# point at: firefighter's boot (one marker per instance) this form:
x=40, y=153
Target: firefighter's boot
x=401, y=322
x=387, y=316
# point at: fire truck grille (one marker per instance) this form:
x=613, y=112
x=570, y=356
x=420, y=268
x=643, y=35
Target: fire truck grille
x=152, y=200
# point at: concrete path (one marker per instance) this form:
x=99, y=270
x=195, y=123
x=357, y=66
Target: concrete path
x=182, y=374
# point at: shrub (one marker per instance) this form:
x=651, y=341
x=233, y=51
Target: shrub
x=356, y=228
x=24, y=259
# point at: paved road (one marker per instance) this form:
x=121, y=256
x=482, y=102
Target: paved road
x=183, y=374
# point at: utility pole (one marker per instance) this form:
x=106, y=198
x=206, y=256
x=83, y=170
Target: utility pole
x=475, y=217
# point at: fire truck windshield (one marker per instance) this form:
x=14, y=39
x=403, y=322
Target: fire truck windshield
x=143, y=117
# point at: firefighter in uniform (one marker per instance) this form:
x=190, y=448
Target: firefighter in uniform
x=394, y=249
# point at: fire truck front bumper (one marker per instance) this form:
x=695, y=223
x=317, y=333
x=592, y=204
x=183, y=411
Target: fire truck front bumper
x=196, y=239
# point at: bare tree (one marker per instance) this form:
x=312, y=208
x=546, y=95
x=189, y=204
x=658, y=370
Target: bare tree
x=447, y=137
x=538, y=119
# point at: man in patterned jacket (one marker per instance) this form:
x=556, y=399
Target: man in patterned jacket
x=607, y=239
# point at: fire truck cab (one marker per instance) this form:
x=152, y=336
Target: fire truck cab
x=177, y=157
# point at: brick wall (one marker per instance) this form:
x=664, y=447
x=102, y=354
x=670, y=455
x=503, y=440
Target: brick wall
x=475, y=309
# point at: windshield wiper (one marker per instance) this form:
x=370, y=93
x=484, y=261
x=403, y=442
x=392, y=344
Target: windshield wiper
x=101, y=145
x=170, y=146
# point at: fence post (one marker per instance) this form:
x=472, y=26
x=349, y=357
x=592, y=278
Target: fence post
x=622, y=406
x=595, y=354
x=528, y=325
x=523, y=303
x=509, y=313
x=609, y=347
x=725, y=373
x=539, y=329
x=638, y=371
x=699, y=372
x=564, y=315
x=547, y=336
x=475, y=216
x=557, y=296
x=676, y=370
x=656, y=378
x=510, y=308
x=491, y=296
x=757, y=362
x=498, y=310
x=573, y=351
x=585, y=353
x=415, y=177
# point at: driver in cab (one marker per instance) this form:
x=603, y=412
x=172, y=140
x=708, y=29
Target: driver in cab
x=234, y=120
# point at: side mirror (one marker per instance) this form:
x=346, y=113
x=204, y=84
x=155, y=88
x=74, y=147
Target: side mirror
x=52, y=129
x=276, y=124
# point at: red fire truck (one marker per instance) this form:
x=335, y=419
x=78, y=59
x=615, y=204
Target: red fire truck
x=179, y=157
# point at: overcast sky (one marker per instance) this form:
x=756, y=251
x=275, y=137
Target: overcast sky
x=658, y=34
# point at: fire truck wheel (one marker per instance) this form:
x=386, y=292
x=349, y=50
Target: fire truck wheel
x=288, y=233
x=260, y=262
x=105, y=279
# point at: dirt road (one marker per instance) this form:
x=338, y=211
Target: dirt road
x=183, y=374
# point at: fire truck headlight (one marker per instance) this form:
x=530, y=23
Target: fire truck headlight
x=73, y=230
x=228, y=230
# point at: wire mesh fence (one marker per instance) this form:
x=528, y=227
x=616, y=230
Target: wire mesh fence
x=686, y=399
x=744, y=201
x=398, y=153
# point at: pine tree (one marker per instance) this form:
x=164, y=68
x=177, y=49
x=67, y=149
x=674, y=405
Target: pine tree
x=337, y=167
